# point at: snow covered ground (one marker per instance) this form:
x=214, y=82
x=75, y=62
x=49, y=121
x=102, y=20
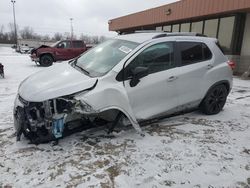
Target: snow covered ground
x=192, y=150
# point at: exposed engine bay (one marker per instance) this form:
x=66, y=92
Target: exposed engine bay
x=53, y=119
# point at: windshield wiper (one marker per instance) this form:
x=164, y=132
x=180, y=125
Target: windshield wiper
x=74, y=64
x=82, y=69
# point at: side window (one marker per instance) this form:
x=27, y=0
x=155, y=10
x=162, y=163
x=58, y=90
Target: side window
x=156, y=58
x=194, y=52
x=64, y=44
x=78, y=44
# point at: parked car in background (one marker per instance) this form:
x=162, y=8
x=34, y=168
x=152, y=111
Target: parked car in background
x=88, y=46
x=132, y=78
x=60, y=51
x=25, y=49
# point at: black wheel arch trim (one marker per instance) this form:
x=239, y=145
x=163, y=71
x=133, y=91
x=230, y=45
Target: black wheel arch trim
x=224, y=82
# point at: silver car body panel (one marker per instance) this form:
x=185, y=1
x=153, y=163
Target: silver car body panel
x=154, y=94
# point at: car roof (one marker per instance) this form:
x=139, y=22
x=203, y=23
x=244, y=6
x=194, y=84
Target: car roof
x=138, y=37
x=71, y=40
x=141, y=37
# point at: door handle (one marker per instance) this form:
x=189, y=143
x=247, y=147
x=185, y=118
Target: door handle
x=209, y=66
x=172, y=78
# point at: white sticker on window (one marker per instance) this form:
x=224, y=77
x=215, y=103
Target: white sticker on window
x=125, y=49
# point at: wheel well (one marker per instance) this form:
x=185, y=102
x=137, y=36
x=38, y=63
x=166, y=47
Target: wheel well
x=110, y=114
x=224, y=82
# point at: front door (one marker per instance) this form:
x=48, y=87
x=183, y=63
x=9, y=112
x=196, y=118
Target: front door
x=155, y=94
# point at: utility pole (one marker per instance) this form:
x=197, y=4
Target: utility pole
x=71, y=25
x=14, y=15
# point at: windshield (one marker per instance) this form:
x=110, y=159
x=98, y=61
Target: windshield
x=102, y=58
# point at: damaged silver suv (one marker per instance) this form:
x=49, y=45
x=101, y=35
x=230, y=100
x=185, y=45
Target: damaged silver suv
x=137, y=77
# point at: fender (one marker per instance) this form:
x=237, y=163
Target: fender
x=225, y=82
x=110, y=96
x=132, y=119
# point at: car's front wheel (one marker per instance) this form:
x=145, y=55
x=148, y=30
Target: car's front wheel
x=46, y=60
x=214, y=100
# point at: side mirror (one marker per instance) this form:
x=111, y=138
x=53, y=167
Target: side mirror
x=137, y=74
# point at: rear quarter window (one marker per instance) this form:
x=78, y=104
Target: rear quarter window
x=194, y=52
x=219, y=46
x=78, y=44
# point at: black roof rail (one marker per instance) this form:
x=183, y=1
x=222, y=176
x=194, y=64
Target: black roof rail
x=160, y=36
x=147, y=31
x=186, y=34
x=168, y=34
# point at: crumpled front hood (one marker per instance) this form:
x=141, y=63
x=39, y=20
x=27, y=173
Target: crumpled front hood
x=35, y=49
x=58, y=80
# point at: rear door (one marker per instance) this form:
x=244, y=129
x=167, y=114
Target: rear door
x=78, y=47
x=195, y=60
x=156, y=93
x=64, y=51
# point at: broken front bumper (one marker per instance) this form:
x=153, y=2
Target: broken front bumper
x=39, y=121
x=33, y=57
x=49, y=120
x=30, y=123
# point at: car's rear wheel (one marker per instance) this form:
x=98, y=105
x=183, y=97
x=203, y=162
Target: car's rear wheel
x=46, y=60
x=214, y=100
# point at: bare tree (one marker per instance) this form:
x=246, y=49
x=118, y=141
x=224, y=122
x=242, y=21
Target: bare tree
x=58, y=36
x=102, y=39
x=27, y=33
x=1, y=32
x=11, y=34
x=95, y=39
x=3, y=36
x=85, y=38
x=66, y=35
x=2, y=29
x=46, y=37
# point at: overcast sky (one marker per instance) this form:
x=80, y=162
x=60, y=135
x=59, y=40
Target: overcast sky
x=89, y=16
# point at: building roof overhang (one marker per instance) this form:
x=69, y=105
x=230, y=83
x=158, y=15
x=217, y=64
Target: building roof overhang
x=179, y=11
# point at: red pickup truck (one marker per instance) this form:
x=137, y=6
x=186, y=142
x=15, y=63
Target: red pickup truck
x=60, y=51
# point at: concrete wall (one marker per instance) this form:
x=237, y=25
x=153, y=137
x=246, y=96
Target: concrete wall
x=34, y=43
x=6, y=45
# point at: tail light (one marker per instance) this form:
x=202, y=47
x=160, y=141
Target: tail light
x=231, y=64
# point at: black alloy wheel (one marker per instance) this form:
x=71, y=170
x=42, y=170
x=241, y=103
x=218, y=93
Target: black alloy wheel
x=46, y=60
x=214, y=100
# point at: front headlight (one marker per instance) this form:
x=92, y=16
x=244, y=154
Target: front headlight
x=18, y=102
x=83, y=107
x=86, y=107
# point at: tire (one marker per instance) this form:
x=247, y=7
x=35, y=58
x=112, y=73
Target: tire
x=215, y=100
x=46, y=60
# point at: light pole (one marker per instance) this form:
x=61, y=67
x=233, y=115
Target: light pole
x=71, y=25
x=13, y=2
